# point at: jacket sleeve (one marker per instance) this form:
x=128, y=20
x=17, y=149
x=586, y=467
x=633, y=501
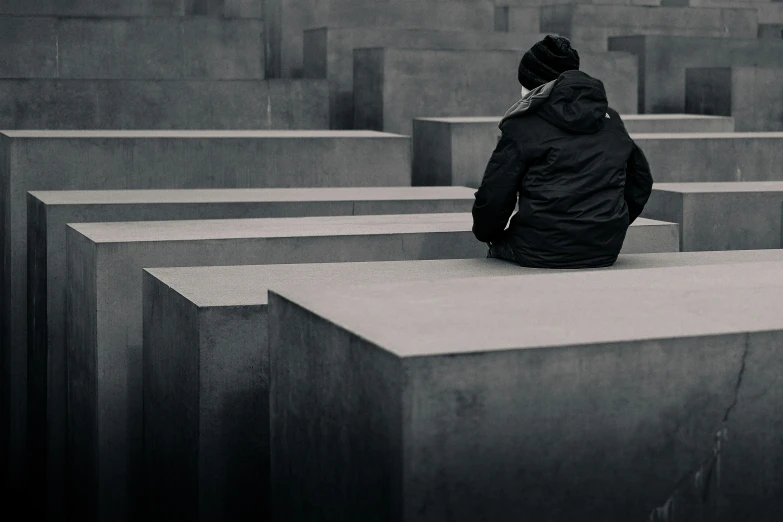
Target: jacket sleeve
x=638, y=182
x=496, y=197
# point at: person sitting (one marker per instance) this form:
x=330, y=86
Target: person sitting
x=566, y=157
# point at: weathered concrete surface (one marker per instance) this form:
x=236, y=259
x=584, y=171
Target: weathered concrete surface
x=726, y=156
x=525, y=16
x=287, y=19
x=455, y=151
x=771, y=31
x=48, y=214
x=421, y=406
x=664, y=59
x=752, y=95
x=206, y=426
x=104, y=308
x=590, y=26
x=328, y=53
x=179, y=306
x=721, y=216
x=164, y=104
x=392, y=86
x=140, y=8
x=131, y=48
x=99, y=160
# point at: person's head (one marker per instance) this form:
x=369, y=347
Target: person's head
x=546, y=61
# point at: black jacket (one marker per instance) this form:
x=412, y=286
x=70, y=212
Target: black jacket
x=580, y=178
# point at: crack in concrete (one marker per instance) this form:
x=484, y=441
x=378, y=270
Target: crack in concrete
x=702, y=474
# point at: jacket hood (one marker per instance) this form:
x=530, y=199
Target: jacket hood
x=574, y=102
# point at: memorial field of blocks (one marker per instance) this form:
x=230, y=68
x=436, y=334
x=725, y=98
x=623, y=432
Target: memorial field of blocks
x=239, y=280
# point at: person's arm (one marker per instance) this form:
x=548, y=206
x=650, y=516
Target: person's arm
x=638, y=183
x=496, y=197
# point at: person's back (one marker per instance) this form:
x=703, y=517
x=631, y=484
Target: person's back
x=579, y=177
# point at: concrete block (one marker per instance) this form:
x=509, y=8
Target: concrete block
x=669, y=123
x=392, y=86
x=131, y=48
x=721, y=216
x=771, y=31
x=752, y=95
x=287, y=19
x=328, y=53
x=715, y=3
x=664, y=59
x=381, y=402
x=104, y=312
x=96, y=160
x=49, y=212
x=135, y=8
x=589, y=26
x=186, y=314
x=164, y=104
x=455, y=151
x=722, y=156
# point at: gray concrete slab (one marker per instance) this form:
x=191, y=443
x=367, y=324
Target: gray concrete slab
x=164, y=104
x=48, y=213
x=288, y=19
x=664, y=59
x=752, y=95
x=721, y=216
x=328, y=53
x=131, y=48
x=433, y=397
x=392, y=86
x=749, y=156
x=455, y=151
x=97, y=160
x=136, y=8
x=589, y=26
x=104, y=311
x=213, y=320
x=771, y=31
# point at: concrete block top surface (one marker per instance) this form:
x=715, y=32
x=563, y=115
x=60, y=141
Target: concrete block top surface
x=725, y=186
x=708, y=135
x=211, y=134
x=249, y=195
x=647, y=117
x=498, y=313
x=624, y=117
x=216, y=286
x=216, y=229
x=199, y=230
x=463, y=119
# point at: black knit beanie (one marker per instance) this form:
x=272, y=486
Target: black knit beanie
x=546, y=60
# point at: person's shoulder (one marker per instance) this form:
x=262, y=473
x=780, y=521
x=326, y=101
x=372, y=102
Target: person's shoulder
x=614, y=123
x=613, y=119
x=519, y=127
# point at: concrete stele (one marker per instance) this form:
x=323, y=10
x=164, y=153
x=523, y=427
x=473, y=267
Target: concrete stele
x=752, y=95
x=99, y=160
x=164, y=104
x=721, y=216
x=48, y=214
x=590, y=26
x=190, y=47
x=104, y=311
x=217, y=316
x=328, y=53
x=439, y=395
x=663, y=61
x=394, y=85
x=455, y=151
x=714, y=157
x=136, y=8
